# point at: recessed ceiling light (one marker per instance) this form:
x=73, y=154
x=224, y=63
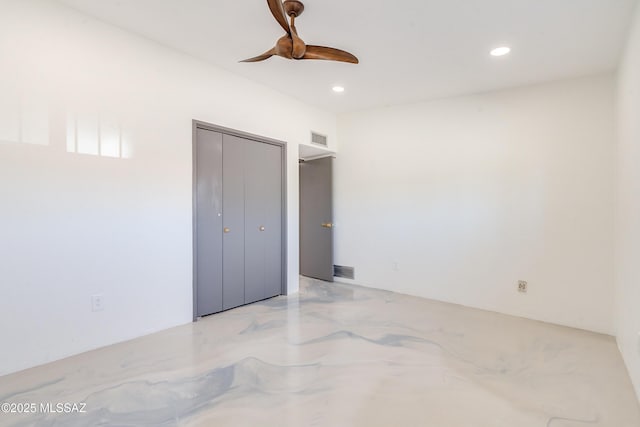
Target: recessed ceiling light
x=338, y=89
x=500, y=51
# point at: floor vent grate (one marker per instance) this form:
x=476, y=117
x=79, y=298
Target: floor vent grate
x=344, y=272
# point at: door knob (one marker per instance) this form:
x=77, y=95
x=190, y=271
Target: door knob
x=226, y=230
x=327, y=225
x=262, y=228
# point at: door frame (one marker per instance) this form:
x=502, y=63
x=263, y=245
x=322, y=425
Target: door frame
x=197, y=124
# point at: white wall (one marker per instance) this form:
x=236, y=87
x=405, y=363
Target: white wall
x=627, y=249
x=73, y=225
x=470, y=194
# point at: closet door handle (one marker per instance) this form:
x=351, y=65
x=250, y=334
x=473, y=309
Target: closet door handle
x=261, y=228
x=226, y=230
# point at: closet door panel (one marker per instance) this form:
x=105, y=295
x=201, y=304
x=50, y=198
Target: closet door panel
x=272, y=182
x=208, y=222
x=255, y=226
x=233, y=222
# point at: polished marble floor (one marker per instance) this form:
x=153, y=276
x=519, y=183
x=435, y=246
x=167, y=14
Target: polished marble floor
x=338, y=355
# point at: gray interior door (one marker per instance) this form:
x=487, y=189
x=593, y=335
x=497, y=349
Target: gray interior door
x=208, y=238
x=273, y=219
x=263, y=221
x=316, y=219
x=233, y=260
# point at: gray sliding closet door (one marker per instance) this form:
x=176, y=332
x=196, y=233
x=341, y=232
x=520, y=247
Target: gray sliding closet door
x=233, y=258
x=209, y=222
x=263, y=221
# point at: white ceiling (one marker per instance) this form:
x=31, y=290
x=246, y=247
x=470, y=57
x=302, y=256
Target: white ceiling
x=409, y=50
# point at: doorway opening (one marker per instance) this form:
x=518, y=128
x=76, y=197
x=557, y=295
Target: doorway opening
x=316, y=213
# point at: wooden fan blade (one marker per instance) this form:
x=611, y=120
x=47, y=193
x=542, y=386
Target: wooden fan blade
x=329, y=54
x=277, y=10
x=299, y=48
x=262, y=57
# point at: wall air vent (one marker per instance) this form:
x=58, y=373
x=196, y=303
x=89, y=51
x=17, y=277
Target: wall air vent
x=319, y=139
x=344, y=272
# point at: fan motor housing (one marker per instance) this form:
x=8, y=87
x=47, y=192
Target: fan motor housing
x=293, y=7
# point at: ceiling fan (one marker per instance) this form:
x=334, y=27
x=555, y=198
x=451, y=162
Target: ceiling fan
x=291, y=46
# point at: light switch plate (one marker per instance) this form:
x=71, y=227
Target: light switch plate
x=97, y=302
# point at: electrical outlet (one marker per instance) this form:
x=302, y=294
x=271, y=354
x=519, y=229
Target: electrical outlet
x=395, y=266
x=522, y=286
x=97, y=302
